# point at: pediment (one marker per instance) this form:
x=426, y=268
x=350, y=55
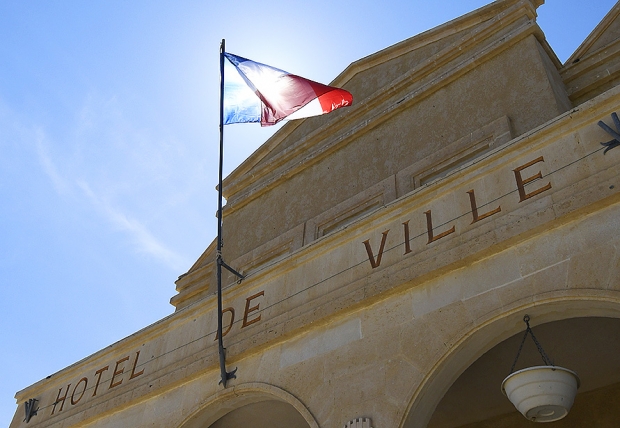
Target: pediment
x=371, y=80
x=316, y=176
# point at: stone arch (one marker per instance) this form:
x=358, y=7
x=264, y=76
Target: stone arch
x=490, y=332
x=236, y=397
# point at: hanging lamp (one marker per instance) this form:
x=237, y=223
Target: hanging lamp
x=541, y=393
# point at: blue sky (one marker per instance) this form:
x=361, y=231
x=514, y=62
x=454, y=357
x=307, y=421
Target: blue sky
x=109, y=139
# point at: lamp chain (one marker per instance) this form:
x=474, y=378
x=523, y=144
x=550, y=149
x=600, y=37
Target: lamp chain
x=529, y=331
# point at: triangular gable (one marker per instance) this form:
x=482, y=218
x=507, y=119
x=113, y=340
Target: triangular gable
x=374, y=74
x=389, y=82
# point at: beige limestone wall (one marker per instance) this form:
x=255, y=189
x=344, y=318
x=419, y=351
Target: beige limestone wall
x=330, y=334
x=372, y=361
x=488, y=92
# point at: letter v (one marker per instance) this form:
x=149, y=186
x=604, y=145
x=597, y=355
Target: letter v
x=375, y=263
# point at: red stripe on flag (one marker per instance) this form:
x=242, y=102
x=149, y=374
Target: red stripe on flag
x=331, y=98
x=334, y=99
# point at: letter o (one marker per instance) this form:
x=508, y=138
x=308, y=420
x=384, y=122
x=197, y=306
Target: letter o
x=74, y=402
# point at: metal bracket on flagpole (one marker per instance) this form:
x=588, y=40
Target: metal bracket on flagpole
x=231, y=270
x=614, y=133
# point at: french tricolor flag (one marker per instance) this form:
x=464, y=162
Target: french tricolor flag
x=260, y=93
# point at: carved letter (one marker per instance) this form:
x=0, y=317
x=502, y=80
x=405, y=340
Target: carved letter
x=232, y=320
x=474, y=208
x=99, y=372
x=58, y=399
x=429, y=227
x=117, y=372
x=407, y=245
x=375, y=263
x=133, y=369
x=248, y=310
x=73, y=401
x=521, y=182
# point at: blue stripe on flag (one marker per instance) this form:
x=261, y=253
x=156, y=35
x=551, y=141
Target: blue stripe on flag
x=241, y=105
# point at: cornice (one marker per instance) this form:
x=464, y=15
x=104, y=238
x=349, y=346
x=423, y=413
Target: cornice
x=593, y=37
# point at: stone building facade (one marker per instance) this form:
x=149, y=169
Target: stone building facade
x=392, y=249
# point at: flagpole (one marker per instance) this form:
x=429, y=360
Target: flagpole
x=220, y=340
